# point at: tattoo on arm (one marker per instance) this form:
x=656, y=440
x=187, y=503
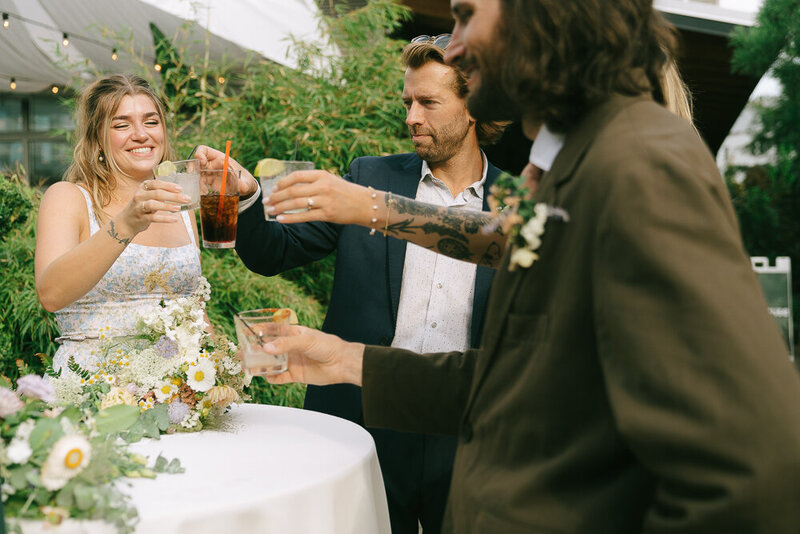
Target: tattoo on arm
x=452, y=230
x=492, y=256
x=124, y=241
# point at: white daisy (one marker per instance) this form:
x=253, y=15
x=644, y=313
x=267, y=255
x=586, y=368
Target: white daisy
x=70, y=455
x=164, y=390
x=201, y=375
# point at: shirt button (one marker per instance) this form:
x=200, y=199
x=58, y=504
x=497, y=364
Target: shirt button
x=433, y=324
x=439, y=285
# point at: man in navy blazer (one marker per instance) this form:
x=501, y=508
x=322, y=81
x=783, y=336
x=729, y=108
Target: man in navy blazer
x=386, y=292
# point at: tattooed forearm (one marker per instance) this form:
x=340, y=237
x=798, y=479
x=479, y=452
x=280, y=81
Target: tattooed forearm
x=458, y=233
x=124, y=241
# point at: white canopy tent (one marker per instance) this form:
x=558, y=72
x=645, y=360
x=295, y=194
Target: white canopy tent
x=32, y=52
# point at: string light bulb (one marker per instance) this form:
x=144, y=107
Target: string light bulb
x=65, y=39
x=157, y=67
x=13, y=84
x=6, y=22
x=114, y=55
x=54, y=89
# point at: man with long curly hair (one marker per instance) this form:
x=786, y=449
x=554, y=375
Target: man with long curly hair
x=630, y=377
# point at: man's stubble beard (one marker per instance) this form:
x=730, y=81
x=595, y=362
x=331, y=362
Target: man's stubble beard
x=445, y=144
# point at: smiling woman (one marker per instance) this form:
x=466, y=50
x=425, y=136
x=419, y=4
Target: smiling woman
x=109, y=227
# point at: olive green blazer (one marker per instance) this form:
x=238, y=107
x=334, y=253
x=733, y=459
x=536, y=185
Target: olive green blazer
x=631, y=380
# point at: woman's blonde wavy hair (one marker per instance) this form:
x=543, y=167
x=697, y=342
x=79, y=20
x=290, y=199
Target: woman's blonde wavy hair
x=96, y=106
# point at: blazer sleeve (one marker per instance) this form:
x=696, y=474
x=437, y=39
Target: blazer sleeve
x=697, y=375
x=423, y=393
x=269, y=247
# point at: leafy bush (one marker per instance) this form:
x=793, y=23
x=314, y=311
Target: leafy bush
x=768, y=200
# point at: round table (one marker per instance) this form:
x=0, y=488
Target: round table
x=272, y=470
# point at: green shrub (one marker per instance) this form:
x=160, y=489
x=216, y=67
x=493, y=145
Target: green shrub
x=767, y=202
x=25, y=327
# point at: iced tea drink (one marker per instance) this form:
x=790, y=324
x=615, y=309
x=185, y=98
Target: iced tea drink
x=219, y=210
x=218, y=216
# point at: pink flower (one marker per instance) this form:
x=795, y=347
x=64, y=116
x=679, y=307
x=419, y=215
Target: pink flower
x=36, y=387
x=10, y=402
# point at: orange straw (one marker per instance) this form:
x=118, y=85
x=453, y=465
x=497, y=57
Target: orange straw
x=224, y=177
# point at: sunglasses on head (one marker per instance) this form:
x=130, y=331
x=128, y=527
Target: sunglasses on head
x=439, y=41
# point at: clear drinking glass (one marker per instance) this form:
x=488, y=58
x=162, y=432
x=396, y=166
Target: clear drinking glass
x=254, y=329
x=186, y=174
x=275, y=172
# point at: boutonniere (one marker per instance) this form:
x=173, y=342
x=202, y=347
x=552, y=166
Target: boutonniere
x=521, y=218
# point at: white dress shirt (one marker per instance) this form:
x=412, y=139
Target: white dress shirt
x=435, y=309
x=545, y=148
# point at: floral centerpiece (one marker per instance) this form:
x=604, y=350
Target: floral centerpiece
x=172, y=367
x=59, y=463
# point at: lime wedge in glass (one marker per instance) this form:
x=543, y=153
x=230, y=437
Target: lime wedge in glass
x=269, y=167
x=165, y=168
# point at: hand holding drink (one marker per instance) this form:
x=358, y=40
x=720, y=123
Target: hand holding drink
x=186, y=174
x=269, y=171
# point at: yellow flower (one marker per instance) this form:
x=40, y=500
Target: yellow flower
x=164, y=390
x=145, y=405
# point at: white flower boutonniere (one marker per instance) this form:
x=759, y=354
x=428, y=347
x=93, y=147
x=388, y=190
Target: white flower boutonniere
x=522, y=219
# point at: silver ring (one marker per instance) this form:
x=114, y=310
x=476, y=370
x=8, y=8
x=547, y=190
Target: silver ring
x=146, y=185
x=144, y=210
x=310, y=202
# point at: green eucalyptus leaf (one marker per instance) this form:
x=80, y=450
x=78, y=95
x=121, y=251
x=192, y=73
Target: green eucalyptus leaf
x=161, y=464
x=45, y=434
x=18, y=476
x=66, y=496
x=85, y=496
x=174, y=467
x=134, y=433
x=116, y=419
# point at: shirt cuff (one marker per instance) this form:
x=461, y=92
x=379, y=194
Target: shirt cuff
x=249, y=201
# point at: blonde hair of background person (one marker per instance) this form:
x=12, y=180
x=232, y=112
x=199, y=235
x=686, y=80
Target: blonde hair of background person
x=675, y=94
x=120, y=136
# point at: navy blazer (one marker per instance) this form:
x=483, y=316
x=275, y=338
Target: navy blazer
x=369, y=269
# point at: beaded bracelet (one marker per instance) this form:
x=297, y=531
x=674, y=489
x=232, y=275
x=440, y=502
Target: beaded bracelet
x=374, y=219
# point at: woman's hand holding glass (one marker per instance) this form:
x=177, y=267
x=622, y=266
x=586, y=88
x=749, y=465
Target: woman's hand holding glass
x=154, y=201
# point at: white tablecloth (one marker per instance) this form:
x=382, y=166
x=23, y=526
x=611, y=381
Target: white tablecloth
x=275, y=470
